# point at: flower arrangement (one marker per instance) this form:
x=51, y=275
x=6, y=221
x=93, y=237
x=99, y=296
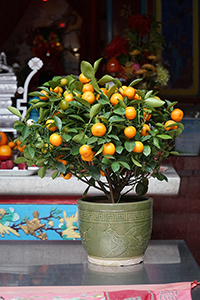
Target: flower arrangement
x=46, y=42
x=111, y=138
x=135, y=54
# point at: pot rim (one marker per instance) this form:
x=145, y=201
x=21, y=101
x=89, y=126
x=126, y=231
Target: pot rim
x=141, y=199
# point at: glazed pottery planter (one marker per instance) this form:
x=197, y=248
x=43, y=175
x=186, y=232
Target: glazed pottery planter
x=115, y=234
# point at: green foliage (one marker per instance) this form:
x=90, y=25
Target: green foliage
x=123, y=168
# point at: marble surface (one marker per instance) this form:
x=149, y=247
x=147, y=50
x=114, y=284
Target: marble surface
x=34, y=185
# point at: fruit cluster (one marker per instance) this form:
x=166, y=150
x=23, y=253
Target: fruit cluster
x=6, y=152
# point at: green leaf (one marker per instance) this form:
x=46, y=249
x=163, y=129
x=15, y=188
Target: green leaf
x=87, y=69
x=94, y=172
x=82, y=101
x=25, y=132
x=125, y=165
x=148, y=94
x=174, y=153
x=105, y=79
x=39, y=104
x=92, y=140
x=60, y=166
x=99, y=151
x=14, y=111
x=42, y=172
x=96, y=64
x=119, y=110
x=20, y=160
x=134, y=82
x=119, y=149
x=136, y=162
x=129, y=145
x=115, y=167
x=153, y=102
x=156, y=142
x=30, y=151
x=141, y=188
x=172, y=104
x=95, y=110
x=147, y=150
x=67, y=137
x=111, y=90
x=54, y=174
x=164, y=136
x=116, y=119
x=58, y=122
x=78, y=137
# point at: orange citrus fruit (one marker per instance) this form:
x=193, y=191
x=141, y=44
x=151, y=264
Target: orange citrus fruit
x=85, y=150
x=3, y=138
x=130, y=112
x=102, y=173
x=129, y=92
x=11, y=144
x=69, y=97
x=67, y=176
x=177, y=115
x=145, y=128
x=63, y=161
x=137, y=97
x=121, y=89
x=130, y=132
x=89, y=97
x=5, y=152
x=55, y=139
x=87, y=158
x=170, y=122
x=98, y=129
x=46, y=95
x=114, y=98
x=109, y=148
x=49, y=124
x=138, y=147
x=83, y=79
x=146, y=115
x=88, y=87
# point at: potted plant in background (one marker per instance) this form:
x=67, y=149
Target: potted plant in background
x=111, y=138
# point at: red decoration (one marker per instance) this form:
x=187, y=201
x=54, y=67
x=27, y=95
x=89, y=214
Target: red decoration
x=113, y=65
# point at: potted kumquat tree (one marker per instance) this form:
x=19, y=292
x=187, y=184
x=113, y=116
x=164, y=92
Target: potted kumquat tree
x=111, y=138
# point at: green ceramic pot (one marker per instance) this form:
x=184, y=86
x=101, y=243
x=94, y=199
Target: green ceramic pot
x=115, y=234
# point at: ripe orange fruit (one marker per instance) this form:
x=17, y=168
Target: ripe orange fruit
x=89, y=97
x=109, y=148
x=83, y=79
x=169, y=122
x=85, y=150
x=145, y=128
x=130, y=112
x=121, y=89
x=102, y=173
x=87, y=87
x=67, y=176
x=114, y=98
x=138, y=147
x=146, y=115
x=5, y=152
x=63, y=161
x=69, y=97
x=21, y=148
x=98, y=129
x=3, y=138
x=129, y=92
x=49, y=125
x=177, y=115
x=87, y=158
x=137, y=97
x=46, y=95
x=55, y=139
x=130, y=132
x=11, y=144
